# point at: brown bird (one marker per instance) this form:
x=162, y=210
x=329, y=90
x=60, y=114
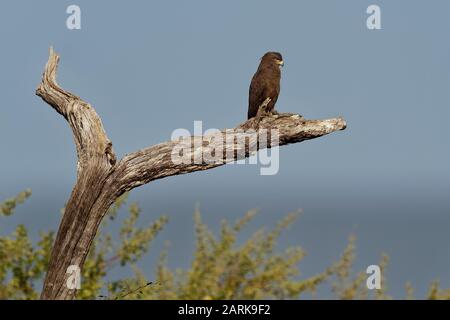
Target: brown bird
x=265, y=83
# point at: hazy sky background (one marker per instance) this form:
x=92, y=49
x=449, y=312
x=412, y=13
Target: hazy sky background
x=149, y=67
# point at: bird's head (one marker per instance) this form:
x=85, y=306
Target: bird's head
x=274, y=58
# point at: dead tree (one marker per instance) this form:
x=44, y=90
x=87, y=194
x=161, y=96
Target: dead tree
x=101, y=178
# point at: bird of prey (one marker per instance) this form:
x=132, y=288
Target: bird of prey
x=265, y=84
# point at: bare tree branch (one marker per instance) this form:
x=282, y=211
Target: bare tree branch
x=90, y=137
x=101, y=179
x=155, y=162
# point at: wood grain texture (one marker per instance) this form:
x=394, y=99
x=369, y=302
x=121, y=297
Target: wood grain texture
x=101, y=179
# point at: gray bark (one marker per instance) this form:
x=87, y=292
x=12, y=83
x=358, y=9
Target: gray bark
x=101, y=179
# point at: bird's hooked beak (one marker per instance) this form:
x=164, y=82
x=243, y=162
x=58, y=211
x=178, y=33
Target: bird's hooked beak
x=280, y=63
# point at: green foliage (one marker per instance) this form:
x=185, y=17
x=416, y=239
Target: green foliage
x=436, y=293
x=223, y=270
x=348, y=286
x=222, y=267
x=7, y=207
x=21, y=264
x=135, y=241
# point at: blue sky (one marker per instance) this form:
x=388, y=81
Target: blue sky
x=149, y=67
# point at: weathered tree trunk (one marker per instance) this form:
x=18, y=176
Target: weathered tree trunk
x=101, y=179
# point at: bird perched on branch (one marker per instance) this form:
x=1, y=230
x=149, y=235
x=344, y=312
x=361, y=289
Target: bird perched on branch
x=265, y=84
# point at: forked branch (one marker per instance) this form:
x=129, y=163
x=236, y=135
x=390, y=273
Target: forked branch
x=101, y=179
